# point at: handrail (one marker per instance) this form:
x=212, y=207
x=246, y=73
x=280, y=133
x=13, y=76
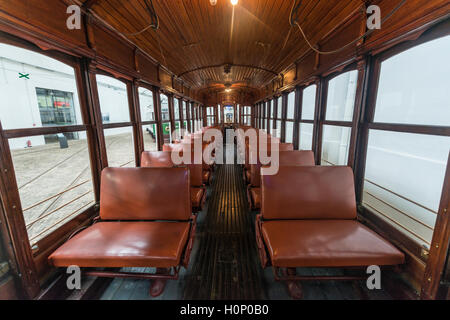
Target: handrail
x=404, y=213
x=400, y=196
x=399, y=224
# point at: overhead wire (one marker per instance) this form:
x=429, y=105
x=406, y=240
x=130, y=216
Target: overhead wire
x=294, y=16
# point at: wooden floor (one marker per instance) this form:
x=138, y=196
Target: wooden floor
x=224, y=262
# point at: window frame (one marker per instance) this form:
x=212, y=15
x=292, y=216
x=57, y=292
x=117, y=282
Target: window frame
x=321, y=113
x=141, y=123
x=433, y=265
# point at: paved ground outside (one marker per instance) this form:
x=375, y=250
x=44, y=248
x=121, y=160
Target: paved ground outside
x=56, y=184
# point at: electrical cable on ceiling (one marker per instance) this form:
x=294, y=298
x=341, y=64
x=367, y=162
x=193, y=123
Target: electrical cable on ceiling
x=153, y=16
x=294, y=16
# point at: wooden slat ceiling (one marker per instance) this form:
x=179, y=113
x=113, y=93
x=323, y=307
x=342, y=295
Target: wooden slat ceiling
x=195, y=39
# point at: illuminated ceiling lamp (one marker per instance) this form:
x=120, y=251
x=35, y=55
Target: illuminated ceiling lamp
x=234, y=2
x=213, y=2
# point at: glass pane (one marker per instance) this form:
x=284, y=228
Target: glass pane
x=164, y=107
x=280, y=107
x=289, y=132
x=36, y=91
x=120, y=147
x=185, y=114
x=176, y=108
x=291, y=105
x=150, y=133
x=54, y=180
x=403, y=180
x=146, y=104
x=113, y=97
x=272, y=109
x=414, y=86
x=309, y=102
x=306, y=136
x=341, y=96
x=335, y=145
x=278, y=132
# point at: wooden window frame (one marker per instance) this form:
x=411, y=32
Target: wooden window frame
x=438, y=254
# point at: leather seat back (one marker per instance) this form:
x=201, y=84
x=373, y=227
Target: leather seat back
x=296, y=158
x=255, y=169
x=163, y=159
x=308, y=193
x=145, y=194
x=156, y=159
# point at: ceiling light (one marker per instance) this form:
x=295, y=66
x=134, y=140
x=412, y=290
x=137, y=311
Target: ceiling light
x=227, y=90
x=213, y=2
x=234, y=2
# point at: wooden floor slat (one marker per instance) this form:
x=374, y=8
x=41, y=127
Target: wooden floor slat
x=226, y=267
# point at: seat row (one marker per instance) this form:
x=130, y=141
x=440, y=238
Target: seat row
x=146, y=219
x=308, y=218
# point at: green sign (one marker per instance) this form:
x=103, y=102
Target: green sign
x=166, y=128
x=24, y=75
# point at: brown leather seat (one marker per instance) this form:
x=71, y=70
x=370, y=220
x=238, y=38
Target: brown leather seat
x=286, y=158
x=255, y=196
x=310, y=221
x=206, y=176
x=326, y=243
x=198, y=196
x=158, y=159
x=155, y=223
x=296, y=158
x=125, y=244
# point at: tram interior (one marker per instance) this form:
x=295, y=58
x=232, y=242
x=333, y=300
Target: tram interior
x=224, y=150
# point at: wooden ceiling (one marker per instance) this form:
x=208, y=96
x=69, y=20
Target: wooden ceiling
x=196, y=40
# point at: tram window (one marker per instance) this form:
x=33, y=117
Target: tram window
x=185, y=115
x=414, y=86
x=291, y=105
x=146, y=105
x=54, y=180
x=113, y=98
x=306, y=136
x=165, y=116
x=289, y=132
x=309, y=102
x=280, y=108
x=271, y=109
x=176, y=112
x=403, y=180
x=120, y=147
x=278, y=130
x=341, y=96
x=42, y=91
x=150, y=133
x=335, y=145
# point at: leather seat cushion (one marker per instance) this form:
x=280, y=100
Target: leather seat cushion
x=247, y=175
x=196, y=197
x=206, y=175
x=326, y=243
x=125, y=244
x=255, y=193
